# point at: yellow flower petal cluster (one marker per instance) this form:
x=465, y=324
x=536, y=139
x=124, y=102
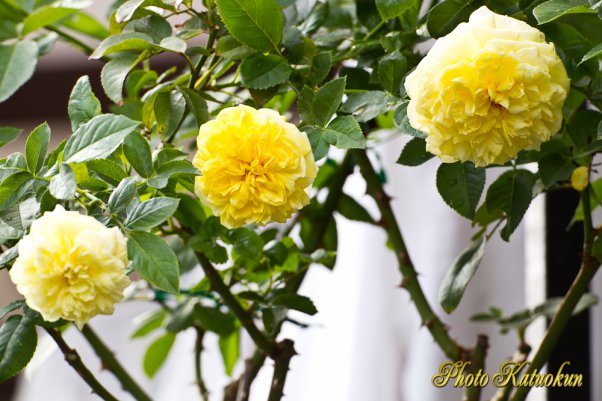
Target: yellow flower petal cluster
x=71, y=266
x=256, y=167
x=488, y=90
x=580, y=178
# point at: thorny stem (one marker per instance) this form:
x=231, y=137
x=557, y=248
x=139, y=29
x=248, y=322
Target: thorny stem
x=112, y=364
x=286, y=351
x=589, y=267
x=72, y=357
x=410, y=277
x=198, y=350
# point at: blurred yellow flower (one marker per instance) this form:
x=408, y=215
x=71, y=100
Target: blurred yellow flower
x=256, y=167
x=580, y=178
x=71, y=266
x=488, y=90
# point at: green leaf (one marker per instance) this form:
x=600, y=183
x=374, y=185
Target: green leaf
x=170, y=169
x=593, y=53
x=154, y=260
x=402, y=122
x=213, y=320
x=18, y=341
x=108, y=170
x=148, y=322
x=511, y=193
x=393, y=8
x=122, y=195
x=445, y=16
x=320, y=67
x=296, y=302
x=368, y=105
x=152, y=25
x=553, y=9
x=391, y=71
x=17, y=64
x=458, y=276
x=352, y=210
x=128, y=41
x=83, y=104
x=98, y=138
x=115, y=72
x=36, y=147
x=553, y=167
x=247, y=243
x=127, y=9
x=157, y=353
x=8, y=134
x=460, y=186
x=327, y=100
x=86, y=24
x=345, y=133
x=151, y=213
x=229, y=347
x=63, y=185
x=196, y=104
x=169, y=111
x=13, y=306
x=255, y=23
x=232, y=49
x=318, y=141
x=414, y=153
x=137, y=150
x=45, y=16
x=13, y=188
x=264, y=71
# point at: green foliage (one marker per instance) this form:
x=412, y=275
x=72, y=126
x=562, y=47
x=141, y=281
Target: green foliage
x=460, y=186
x=17, y=64
x=154, y=260
x=157, y=354
x=18, y=341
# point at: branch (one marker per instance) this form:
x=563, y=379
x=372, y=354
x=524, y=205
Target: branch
x=589, y=267
x=477, y=359
x=72, y=357
x=281, y=367
x=112, y=364
x=198, y=351
x=217, y=284
x=73, y=40
x=520, y=356
x=410, y=278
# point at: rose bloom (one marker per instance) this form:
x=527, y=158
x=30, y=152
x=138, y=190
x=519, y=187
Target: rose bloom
x=256, y=167
x=580, y=178
x=488, y=90
x=71, y=266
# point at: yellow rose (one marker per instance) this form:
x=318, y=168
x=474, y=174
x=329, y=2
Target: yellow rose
x=256, y=167
x=488, y=90
x=71, y=266
x=580, y=178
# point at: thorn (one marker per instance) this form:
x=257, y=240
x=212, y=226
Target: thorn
x=405, y=282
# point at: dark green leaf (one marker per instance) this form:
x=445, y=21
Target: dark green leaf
x=255, y=23
x=83, y=104
x=137, y=150
x=98, y=138
x=154, y=260
x=352, y=210
x=264, y=71
x=326, y=101
x=128, y=41
x=109, y=170
x=196, y=104
x=115, y=72
x=122, y=196
x=553, y=9
x=553, y=167
x=214, y=320
x=458, y=276
x=169, y=110
x=402, y=122
x=13, y=188
x=345, y=133
x=14, y=305
x=8, y=134
x=593, y=53
x=393, y=8
x=368, y=105
x=151, y=213
x=391, y=71
x=296, y=302
x=18, y=341
x=445, y=16
x=414, y=153
x=512, y=193
x=170, y=169
x=460, y=186
x=36, y=147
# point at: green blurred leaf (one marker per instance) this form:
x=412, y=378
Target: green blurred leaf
x=255, y=23
x=148, y=322
x=98, y=138
x=83, y=104
x=154, y=260
x=296, y=302
x=128, y=41
x=352, y=210
x=229, y=347
x=45, y=16
x=553, y=167
x=446, y=15
x=393, y=8
x=17, y=64
x=13, y=306
x=264, y=71
x=157, y=353
x=18, y=341
x=402, y=122
x=151, y=213
x=391, y=71
x=414, y=153
x=9, y=134
x=458, y=276
x=593, y=53
x=214, y=320
x=460, y=185
x=36, y=147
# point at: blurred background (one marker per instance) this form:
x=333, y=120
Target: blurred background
x=365, y=344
